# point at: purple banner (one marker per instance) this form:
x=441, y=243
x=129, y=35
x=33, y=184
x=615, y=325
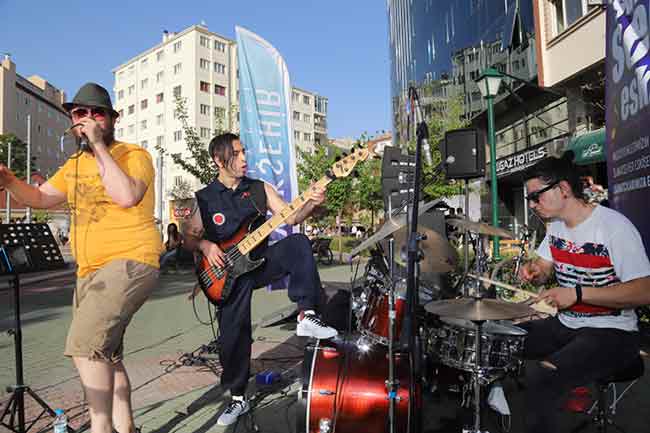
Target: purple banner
x=628, y=111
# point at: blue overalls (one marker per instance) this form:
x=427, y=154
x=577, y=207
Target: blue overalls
x=223, y=211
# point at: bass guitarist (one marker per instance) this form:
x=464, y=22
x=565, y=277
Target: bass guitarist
x=223, y=206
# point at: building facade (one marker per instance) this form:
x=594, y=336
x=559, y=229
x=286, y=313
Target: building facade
x=547, y=97
x=201, y=67
x=21, y=97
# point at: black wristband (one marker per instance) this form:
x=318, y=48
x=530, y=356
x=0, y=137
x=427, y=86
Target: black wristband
x=578, y=288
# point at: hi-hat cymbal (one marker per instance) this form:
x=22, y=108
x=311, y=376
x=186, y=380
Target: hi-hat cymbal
x=478, y=309
x=437, y=254
x=390, y=226
x=477, y=227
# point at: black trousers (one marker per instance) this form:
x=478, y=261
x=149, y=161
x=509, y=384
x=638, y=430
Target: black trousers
x=290, y=256
x=581, y=356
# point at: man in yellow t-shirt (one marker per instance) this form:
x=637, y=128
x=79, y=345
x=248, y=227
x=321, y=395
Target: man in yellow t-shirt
x=109, y=187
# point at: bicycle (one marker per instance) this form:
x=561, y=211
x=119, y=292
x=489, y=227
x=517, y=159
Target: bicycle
x=321, y=247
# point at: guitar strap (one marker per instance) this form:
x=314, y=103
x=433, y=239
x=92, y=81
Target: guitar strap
x=258, y=197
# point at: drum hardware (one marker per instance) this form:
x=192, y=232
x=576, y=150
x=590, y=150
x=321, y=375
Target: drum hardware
x=539, y=306
x=482, y=228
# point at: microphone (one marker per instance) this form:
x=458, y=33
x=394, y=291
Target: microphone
x=84, y=145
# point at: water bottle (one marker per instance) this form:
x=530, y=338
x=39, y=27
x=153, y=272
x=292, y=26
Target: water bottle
x=60, y=423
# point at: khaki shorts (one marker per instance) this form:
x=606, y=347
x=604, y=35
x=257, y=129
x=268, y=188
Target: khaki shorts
x=103, y=305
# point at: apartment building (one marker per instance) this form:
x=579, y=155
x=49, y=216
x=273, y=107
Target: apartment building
x=200, y=66
x=33, y=96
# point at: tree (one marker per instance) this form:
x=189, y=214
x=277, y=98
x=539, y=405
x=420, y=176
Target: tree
x=198, y=163
x=367, y=188
x=18, y=154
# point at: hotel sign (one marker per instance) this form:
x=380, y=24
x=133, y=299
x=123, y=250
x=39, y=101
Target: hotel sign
x=520, y=161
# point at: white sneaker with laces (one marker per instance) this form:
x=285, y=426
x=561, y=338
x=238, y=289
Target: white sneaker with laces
x=232, y=412
x=312, y=326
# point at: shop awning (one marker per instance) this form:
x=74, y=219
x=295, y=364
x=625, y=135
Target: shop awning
x=589, y=148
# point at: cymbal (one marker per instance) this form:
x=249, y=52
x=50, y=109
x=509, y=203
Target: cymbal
x=437, y=254
x=478, y=309
x=477, y=227
x=390, y=226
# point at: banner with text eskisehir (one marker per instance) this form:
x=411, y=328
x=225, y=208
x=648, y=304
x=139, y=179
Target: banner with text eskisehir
x=628, y=110
x=265, y=128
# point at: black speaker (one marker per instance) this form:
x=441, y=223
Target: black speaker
x=467, y=146
x=397, y=171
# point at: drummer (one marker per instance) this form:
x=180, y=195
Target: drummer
x=602, y=271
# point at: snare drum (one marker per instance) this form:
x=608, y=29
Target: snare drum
x=502, y=345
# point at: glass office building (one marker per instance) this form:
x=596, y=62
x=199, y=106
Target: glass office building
x=442, y=47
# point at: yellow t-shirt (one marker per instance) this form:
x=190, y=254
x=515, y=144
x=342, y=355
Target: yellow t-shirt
x=101, y=230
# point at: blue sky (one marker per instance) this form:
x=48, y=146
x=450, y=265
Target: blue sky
x=336, y=48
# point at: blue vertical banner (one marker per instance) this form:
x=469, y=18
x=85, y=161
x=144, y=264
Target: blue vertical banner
x=265, y=115
x=627, y=101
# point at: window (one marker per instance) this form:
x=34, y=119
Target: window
x=295, y=97
x=120, y=132
x=177, y=92
x=296, y=115
x=144, y=144
x=131, y=129
x=306, y=99
x=204, y=87
x=144, y=83
x=120, y=95
x=144, y=104
x=160, y=55
x=177, y=68
x=219, y=46
x=178, y=180
x=144, y=63
x=205, y=109
x=204, y=41
x=219, y=68
x=219, y=112
x=568, y=12
x=160, y=140
x=131, y=70
x=178, y=135
x=296, y=135
x=143, y=125
x=159, y=97
x=159, y=76
x=306, y=117
x=307, y=136
x=131, y=89
x=204, y=64
x=219, y=90
x=121, y=113
x=177, y=46
x=131, y=109
x=160, y=118
x=205, y=132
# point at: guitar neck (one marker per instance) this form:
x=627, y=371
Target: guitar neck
x=253, y=239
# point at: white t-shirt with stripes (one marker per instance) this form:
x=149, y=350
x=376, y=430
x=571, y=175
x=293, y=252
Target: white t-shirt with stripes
x=602, y=250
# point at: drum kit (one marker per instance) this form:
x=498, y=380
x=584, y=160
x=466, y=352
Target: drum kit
x=361, y=381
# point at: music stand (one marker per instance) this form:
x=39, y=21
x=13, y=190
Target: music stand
x=24, y=248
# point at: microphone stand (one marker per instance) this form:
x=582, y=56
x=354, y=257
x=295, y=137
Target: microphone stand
x=422, y=133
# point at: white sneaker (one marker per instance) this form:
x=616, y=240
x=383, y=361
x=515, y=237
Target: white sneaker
x=232, y=412
x=312, y=326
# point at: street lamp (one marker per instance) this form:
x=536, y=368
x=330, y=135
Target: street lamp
x=488, y=83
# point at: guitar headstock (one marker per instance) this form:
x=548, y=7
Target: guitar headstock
x=345, y=166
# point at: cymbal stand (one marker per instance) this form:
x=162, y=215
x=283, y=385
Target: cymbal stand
x=391, y=383
x=466, y=239
x=478, y=377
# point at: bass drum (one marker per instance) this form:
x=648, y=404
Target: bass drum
x=344, y=389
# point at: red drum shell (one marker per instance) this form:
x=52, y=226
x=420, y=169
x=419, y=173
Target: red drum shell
x=375, y=322
x=339, y=376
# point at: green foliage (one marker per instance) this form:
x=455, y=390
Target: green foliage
x=18, y=154
x=198, y=162
x=41, y=216
x=312, y=167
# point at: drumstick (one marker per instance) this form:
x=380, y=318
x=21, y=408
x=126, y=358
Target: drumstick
x=504, y=285
x=539, y=306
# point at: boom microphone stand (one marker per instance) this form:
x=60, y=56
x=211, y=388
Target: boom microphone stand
x=422, y=133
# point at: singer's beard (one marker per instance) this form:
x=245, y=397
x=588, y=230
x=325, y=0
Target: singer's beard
x=108, y=136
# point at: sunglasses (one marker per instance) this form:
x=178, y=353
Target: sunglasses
x=534, y=196
x=96, y=113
